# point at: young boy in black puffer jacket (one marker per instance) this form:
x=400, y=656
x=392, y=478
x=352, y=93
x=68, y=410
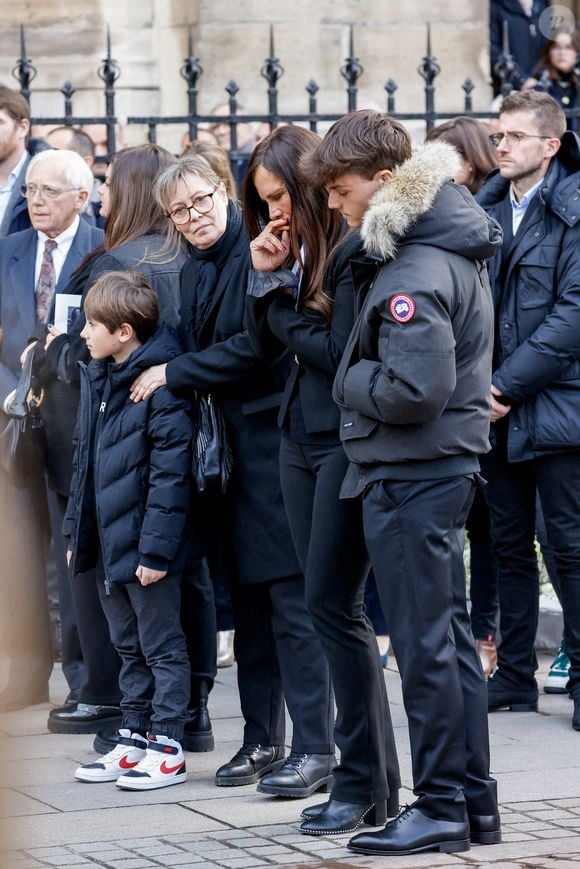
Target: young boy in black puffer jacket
x=127, y=514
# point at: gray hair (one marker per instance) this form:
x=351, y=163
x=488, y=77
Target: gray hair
x=183, y=168
x=74, y=169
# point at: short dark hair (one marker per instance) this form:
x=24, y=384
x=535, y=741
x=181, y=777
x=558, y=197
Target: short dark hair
x=363, y=142
x=80, y=142
x=548, y=115
x=123, y=297
x=14, y=104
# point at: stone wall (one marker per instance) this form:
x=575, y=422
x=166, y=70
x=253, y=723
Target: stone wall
x=231, y=40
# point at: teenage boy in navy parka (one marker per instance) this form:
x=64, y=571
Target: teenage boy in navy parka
x=127, y=515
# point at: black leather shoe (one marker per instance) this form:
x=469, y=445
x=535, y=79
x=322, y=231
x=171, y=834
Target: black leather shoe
x=249, y=764
x=83, y=718
x=338, y=817
x=502, y=695
x=411, y=833
x=576, y=715
x=69, y=705
x=105, y=740
x=300, y=776
x=485, y=829
x=392, y=807
x=197, y=733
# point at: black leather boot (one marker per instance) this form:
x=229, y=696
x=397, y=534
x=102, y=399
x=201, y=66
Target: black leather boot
x=392, y=807
x=337, y=817
x=249, y=764
x=197, y=733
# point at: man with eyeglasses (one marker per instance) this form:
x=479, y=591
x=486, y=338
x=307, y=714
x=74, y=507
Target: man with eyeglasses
x=35, y=265
x=535, y=196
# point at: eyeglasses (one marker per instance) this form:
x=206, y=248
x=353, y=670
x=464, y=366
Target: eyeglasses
x=29, y=191
x=202, y=204
x=513, y=138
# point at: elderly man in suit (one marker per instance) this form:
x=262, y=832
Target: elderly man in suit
x=35, y=264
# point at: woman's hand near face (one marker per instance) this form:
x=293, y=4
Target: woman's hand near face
x=270, y=249
x=148, y=382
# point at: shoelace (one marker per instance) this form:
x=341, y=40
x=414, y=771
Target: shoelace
x=249, y=750
x=404, y=813
x=296, y=760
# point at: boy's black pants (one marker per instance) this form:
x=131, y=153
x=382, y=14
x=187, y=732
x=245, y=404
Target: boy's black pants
x=145, y=627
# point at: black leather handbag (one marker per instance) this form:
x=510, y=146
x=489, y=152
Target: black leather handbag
x=22, y=436
x=212, y=456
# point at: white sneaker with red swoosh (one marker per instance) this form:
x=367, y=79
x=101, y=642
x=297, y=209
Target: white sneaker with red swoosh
x=163, y=765
x=131, y=748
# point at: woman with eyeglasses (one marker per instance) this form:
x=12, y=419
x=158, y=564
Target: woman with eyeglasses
x=278, y=653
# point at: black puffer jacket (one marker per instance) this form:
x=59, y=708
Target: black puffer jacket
x=537, y=299
x=131, y=483
x=413, y=384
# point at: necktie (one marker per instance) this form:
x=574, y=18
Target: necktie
x=46, y=282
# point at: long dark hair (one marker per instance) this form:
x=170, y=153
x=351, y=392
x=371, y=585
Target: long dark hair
x=470, y=138
x=312, y=223
x=133, y=209
x=545, y=64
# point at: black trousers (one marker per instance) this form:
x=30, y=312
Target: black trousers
x=511, y=495
x=83, y=622
x=414, y=534
x=279, y=658
x=198, y=620
x=329, y=543
x=483, y=568
x=145, y=627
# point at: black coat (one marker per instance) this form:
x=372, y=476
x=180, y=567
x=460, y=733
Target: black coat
x=221, y=359
x=315, y=346
x=536, y=285
x=133, y=462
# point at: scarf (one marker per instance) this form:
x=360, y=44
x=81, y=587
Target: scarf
x=211, y=261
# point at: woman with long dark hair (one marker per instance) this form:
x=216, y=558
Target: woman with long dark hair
x=558, y=71
x=278, y=653
x=302, y=299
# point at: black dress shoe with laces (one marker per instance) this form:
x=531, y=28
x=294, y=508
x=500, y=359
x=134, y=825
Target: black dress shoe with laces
x=392, y=807
x=337, y=817
x=411, y=833
x=485, y=829
x=300, y=775
x=249, y=764
x=83, y=718
x=197, y=733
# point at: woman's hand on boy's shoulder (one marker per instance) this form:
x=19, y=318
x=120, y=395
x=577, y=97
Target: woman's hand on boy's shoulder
x=148, y=382
x=147, y=576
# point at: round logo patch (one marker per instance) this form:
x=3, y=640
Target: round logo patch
x=402, y=308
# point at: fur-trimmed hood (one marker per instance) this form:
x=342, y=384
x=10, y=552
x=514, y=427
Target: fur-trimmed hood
x=420, y=204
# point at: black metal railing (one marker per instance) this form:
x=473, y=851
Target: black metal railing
x=272, y=70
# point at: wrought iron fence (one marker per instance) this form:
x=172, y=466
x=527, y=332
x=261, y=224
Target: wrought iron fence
x=272, y=70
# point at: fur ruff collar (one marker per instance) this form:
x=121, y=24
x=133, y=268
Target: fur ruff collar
x=400, y=202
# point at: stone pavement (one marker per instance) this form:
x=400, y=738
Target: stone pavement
x=52, y=820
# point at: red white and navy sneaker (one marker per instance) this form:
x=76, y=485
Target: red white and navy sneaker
x=130, y=749
x=163, y=765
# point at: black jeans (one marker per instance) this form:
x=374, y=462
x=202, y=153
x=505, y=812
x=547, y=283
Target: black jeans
x=198, y=620
x=145, y=627
x=511, y=495
x=414, y=533
x=329, y=543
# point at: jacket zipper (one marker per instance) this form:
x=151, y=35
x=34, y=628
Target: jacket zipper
x=100, y=420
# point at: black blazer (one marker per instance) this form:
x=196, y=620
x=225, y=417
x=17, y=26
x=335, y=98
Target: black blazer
x=316, y=347
x=221, y=359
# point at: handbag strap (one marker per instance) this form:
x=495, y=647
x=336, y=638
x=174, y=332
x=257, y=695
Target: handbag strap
x=19, y=406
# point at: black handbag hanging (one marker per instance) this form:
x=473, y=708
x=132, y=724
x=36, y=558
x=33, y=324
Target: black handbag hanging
x=22, y=437
x=212, y=456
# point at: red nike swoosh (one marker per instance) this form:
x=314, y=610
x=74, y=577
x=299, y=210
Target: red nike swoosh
x=169, y=769
x=127, y=764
